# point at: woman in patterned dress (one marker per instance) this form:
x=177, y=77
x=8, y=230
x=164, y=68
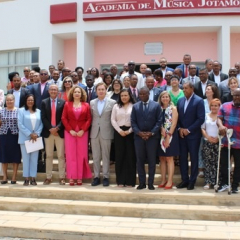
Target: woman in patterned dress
x=9, y=148
x=169, y=145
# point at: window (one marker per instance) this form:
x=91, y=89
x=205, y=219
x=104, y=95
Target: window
x=11, y=61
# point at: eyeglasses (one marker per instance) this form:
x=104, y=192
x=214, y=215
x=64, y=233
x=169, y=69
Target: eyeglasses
x=45, y=74
x=67, y=81
x=26, y=71
x=74, y=75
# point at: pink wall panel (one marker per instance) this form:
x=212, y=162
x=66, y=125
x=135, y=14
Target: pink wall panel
x=70, y=53
x=235, y=48
x=120, y=49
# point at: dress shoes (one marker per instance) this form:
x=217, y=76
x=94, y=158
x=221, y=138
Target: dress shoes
x=162, y=185
x=141, y=186
x=151, y=187
x=47, y=181
x=105, y=182
x=190, y=186
x=96, y=181
x=168, y=187
x=13, y=182
x=182, y=185
x=4, y=182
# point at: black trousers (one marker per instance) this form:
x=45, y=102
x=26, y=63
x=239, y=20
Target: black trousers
x=125, y=157
x=224, y=166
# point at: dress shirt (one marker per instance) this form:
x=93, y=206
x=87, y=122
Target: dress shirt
x=187, y=101
x=238, y=77
x=141, y=82
x=204, y=85
x=163, y=72
x=58, y=83
x=16, y=94
x=145, y=104
x=151, y=94
x=42, y=86
x=217, y=79
x=100, y=105
x=121, y=116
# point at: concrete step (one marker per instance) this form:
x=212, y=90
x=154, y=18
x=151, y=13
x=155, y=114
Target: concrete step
x=122, y=209
x=113, y=193
x=112, y=178
x=66, y=226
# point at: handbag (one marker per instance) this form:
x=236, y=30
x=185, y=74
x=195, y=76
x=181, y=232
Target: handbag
x=41, y=167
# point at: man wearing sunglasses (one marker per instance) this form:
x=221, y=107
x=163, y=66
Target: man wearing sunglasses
x=40, y=90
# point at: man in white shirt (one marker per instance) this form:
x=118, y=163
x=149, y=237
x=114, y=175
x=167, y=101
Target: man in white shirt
x=55, y=79
x=131, y=71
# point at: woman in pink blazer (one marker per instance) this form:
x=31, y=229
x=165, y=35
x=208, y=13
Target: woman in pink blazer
x=77, y=119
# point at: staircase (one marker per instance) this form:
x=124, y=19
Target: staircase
x=86, y=212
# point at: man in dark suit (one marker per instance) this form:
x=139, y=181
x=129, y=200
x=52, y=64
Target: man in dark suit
x=191, y=116
x=146, y=123
x=185, y=65
x=19, y=92
x=53, y=133
x=153, y=92
x=40, y=90
x=114, y=71
x=133, y=87
x=216, y=76
x=200, y=87
x=90, y=89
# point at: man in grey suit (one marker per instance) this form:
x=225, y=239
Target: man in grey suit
x=101, y=133
x=192, y=75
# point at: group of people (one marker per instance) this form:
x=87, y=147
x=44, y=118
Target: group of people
x=144, y=117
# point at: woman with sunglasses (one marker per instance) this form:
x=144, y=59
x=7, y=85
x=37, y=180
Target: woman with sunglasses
x=66, y=86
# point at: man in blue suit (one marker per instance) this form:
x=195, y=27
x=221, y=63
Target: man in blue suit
x=153, y=91
x=40, y=90
x=191, y=116
x=185, y=66
x=146, y=123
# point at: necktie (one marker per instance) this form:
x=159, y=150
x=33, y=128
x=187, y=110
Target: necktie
x=145, y=108
x=53, y=114
x=134, y=94
x=192, y=79
x=186, y=70
x=89, y=94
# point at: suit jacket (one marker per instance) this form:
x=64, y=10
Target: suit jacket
x=93, y=94
x=25, y=125
x=198, y=88
x=156, y=93
x=188, y=79
x=181, y=66
x=102, y=123
x=227, y=97
x=137, y=91
x=223, y=88
x=146, y=122
x=24, y=92
x=70, y=122
x=36, y=91
x=223, y=76
x=193, y=117
x=46, y=115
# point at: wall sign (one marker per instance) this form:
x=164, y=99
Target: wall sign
x=153, y=48
x=98, y=9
